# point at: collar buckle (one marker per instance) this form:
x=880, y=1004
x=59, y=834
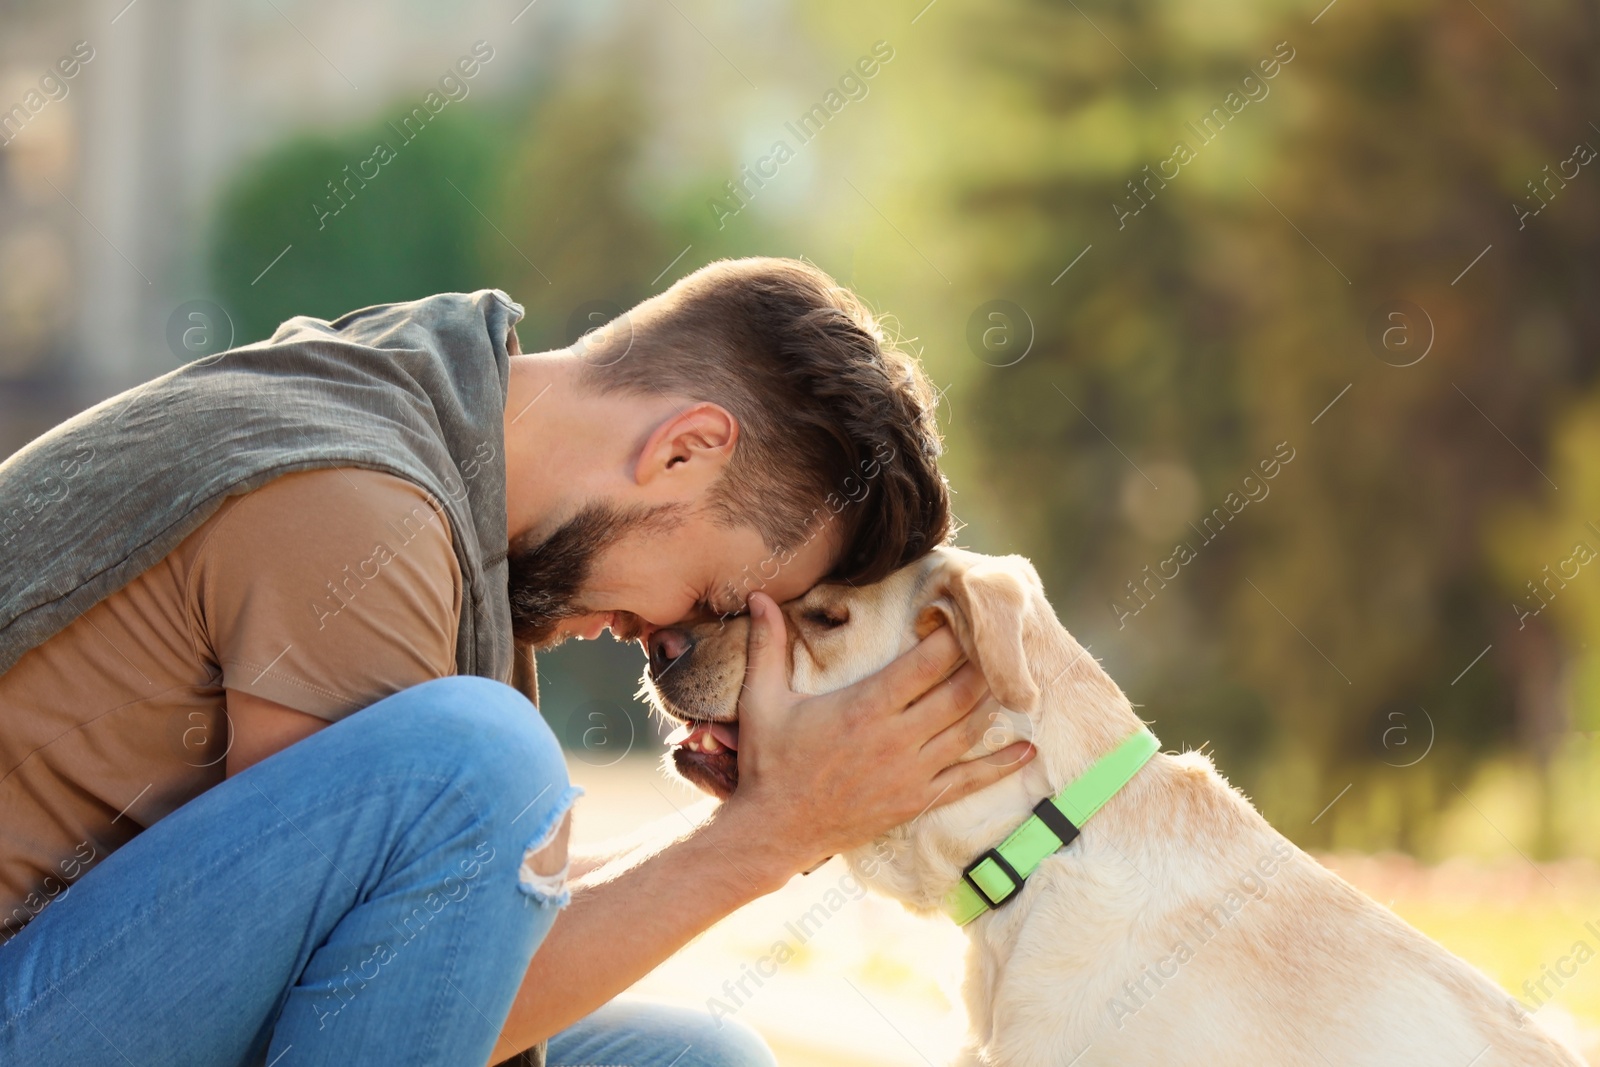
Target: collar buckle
x=979, y=877
x=993, y=878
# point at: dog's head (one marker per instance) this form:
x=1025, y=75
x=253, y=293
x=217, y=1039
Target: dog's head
x=1043, y=687
x=839, y=634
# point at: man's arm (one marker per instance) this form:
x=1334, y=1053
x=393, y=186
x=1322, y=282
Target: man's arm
x=617, y=930
x=624, y=850
x=258, y=727
x=817, y=776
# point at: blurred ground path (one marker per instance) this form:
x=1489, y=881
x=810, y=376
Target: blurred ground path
x=836, y=978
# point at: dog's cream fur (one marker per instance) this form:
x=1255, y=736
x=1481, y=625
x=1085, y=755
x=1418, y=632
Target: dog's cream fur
x=1180, y=928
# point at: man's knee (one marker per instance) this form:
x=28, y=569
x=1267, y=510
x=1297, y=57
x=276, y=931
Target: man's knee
x=484, y=736
x=501, y=750
x=467, y=721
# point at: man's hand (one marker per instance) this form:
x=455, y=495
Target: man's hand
x=822, y=774
x=817, y=776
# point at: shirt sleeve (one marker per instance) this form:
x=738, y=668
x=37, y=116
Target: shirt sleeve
x=328, y=590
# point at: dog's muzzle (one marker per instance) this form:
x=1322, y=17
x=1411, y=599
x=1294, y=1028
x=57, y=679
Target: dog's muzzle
x=703, y=751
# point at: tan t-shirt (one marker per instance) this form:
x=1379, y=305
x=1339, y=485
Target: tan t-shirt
x=323, y=590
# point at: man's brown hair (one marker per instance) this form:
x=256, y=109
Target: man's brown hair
x=836, y=422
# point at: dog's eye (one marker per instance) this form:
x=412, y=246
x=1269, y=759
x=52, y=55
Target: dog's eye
x=827, y=620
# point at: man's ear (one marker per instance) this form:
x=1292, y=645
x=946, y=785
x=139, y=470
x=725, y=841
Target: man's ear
x=697, y=440
x=987, y=604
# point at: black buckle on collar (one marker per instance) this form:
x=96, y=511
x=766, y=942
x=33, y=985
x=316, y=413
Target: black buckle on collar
x=1009, y=871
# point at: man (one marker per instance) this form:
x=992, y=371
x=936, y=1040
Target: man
x=266, y=793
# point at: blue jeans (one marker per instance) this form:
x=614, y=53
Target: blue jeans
x=357, y=898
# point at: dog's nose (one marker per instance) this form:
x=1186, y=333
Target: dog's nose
x=667, y=646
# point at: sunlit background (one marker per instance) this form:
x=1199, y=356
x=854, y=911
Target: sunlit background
x=1267, y=330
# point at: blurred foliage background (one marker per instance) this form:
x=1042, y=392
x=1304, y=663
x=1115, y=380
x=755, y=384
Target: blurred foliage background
x=1387, y=643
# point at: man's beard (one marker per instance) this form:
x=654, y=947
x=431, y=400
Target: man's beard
x=546, y=578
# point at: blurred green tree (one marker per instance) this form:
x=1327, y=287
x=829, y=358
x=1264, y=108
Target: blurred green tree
x=410, y=230
x=1225, y=306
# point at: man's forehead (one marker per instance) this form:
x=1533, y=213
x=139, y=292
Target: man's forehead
x=782, y=575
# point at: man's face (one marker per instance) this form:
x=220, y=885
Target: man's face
x=634, y=570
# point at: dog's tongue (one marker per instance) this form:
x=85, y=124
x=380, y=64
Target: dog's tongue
x=726, y=733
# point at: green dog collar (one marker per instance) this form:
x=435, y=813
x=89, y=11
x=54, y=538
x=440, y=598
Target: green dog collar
x=997, y=875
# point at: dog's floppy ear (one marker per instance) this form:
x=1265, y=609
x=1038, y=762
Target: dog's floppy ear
x=987, y=603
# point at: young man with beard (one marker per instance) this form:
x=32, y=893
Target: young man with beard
x=265, y=786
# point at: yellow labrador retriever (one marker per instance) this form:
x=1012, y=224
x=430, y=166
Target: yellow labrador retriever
x=1174, y=926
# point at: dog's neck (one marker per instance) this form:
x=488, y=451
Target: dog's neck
x=1082, y=715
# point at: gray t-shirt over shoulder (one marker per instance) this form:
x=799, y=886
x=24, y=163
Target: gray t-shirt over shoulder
x=417, y=389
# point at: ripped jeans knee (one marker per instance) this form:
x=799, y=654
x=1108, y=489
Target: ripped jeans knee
x=543, y=873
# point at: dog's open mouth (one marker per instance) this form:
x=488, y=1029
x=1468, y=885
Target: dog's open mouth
x=707, y=754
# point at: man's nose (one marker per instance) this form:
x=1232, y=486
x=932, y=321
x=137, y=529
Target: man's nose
x=667, y=646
